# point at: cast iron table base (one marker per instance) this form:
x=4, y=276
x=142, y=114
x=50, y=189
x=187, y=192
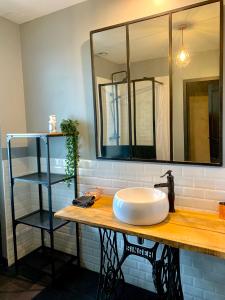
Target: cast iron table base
x=165, y=269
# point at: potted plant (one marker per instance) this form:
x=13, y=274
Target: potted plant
x=69, y=128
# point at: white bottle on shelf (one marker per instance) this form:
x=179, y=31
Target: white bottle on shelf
x=52, y=124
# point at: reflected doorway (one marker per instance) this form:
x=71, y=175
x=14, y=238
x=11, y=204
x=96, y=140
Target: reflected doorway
x=201, y=120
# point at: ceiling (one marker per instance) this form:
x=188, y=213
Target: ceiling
x=150, y=39
x=21, y=11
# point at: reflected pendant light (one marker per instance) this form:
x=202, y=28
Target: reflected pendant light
x=182, y=56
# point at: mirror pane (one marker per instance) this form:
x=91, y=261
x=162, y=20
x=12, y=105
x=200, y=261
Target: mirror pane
x=173, y=111
x=195, y=76
x=110, y=65
x=149, y=72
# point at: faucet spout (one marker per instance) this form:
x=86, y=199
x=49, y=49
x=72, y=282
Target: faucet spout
x=158, y=185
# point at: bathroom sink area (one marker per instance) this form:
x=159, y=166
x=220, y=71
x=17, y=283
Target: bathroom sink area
x=140, y=206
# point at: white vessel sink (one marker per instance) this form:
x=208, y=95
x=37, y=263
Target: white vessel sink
x=140, y=206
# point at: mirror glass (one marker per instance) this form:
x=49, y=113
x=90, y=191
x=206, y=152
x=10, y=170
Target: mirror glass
x=158, y=87
x=196, y=96
x=149, y=74
x=111, y=88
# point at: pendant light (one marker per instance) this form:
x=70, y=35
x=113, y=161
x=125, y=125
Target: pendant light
x=182, y=56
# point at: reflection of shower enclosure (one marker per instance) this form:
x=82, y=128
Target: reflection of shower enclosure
x=143, y=114
x=115, y=120
x=113, y=113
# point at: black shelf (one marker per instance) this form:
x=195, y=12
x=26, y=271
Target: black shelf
x=40, y=259
x=42, y=178
x=40, y=219
x=34, y=135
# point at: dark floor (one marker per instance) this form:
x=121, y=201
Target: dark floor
x=76, y=284
x=18, y=289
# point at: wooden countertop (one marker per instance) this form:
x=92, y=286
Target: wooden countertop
x=196, y=231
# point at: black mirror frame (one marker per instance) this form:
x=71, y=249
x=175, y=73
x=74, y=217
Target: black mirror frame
x=126, y=25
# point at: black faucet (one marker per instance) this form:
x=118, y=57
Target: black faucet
x=170, y=185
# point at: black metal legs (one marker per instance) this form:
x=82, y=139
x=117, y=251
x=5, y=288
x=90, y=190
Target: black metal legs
x=110, y=267
x=12, y=203
x=165, y=270
x=166, y=274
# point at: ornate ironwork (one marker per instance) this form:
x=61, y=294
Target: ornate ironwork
x=134, y=249
x=165, y=271
x=166, y=274
x=111, y=273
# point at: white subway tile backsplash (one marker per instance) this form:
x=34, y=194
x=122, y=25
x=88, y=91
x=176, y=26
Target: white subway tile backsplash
x=87, y=164
x=197, y=203
x=203, y=276
x=188, y=297
x=212, y=172
x=219, y=184
x=216, y=195
x=192, y=172
x=184, y=181
x=189, y=290
x=194, y=192
x=212, y=295
x=204, y=284
x=219, y=289
x=179, y=191
x=104, y=165
x=204, y=183
x=120, y=184
x=152, y=170
x=86, y=172
x=187, y=280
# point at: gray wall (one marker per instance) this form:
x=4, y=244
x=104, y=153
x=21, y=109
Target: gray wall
x=56, y=60
x=12, y=105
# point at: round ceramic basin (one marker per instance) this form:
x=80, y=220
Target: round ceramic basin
x=141, y=206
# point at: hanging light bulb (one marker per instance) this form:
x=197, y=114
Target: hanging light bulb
x=182, y=56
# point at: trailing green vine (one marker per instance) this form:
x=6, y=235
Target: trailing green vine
x=69, y=129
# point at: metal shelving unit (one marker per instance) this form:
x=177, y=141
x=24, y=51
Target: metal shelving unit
x=50, y=260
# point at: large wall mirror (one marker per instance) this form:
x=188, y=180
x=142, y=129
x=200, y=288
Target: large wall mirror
x=157, y=86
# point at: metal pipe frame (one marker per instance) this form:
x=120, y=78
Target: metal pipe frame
x=40, y=192
x=76, y=224
x=14, y=224
x=50, y=230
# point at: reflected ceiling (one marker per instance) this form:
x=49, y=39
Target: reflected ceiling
x=201, y=34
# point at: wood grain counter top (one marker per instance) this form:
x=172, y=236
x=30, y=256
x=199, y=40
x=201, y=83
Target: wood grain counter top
x=196, y=231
